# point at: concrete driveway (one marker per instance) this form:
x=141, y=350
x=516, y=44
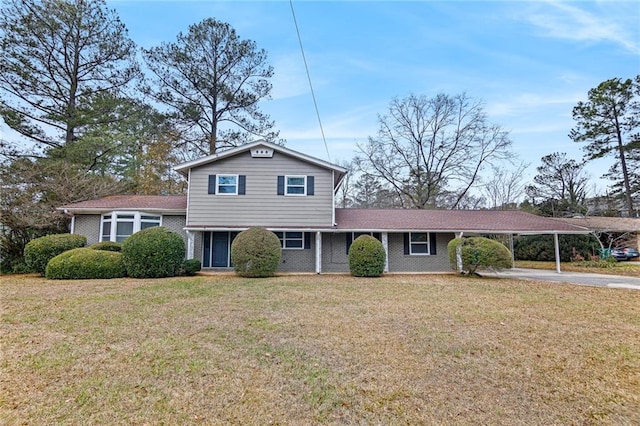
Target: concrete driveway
x=599, y=280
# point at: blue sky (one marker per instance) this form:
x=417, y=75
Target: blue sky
x=530, y=62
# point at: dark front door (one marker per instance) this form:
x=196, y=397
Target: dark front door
x=220, y=246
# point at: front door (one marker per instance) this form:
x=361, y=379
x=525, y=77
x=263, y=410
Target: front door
x=220, y=246
x=216, y=249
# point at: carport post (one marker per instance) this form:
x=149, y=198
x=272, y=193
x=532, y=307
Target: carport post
x=557, y=244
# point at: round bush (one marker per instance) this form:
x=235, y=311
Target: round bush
x=479, y=253
x=255, y=253
x=366, y=257
x=191, y=266
x=85, y=263
x=107, y=246
x=38, y=252
x=153, y=253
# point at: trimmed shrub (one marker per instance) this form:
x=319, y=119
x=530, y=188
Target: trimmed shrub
x=256, y=253
x=107, y=246
x=191, y=266
x=85, y=263
x=479, y=253
x=38, y=252
x=366, y=257
x=153, y=253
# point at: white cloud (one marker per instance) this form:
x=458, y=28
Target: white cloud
x=567, y=21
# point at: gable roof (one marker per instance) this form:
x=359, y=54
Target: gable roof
x=184, y=168
x=149, y=203
x=473, y=221
x=606, y=224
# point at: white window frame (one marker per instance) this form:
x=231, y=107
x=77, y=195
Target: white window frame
x=286, y=185
x=113, y=218
x=427, y=243
x=282, y=236
x=219, y=184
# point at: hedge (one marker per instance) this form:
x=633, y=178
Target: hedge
x=153, y=253
x=256, y=253
x=85, y=263
x=38, y=252
x=366, y=257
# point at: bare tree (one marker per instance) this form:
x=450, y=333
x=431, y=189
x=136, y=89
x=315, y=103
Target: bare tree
x=505, y=187
x=431, y=149
x=560, y=187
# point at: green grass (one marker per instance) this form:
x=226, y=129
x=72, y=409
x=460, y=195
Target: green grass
x=317, y=350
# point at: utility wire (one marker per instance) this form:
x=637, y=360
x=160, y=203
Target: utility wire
x=306, y=67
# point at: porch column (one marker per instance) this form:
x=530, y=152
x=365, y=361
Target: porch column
x=318, y=252
x=459, y=255
x=190, y=244
x=557, y=245
x=385, y=244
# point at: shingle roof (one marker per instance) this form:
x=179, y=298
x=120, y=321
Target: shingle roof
x=485, y=221
x=131, y=202
x=614, y=224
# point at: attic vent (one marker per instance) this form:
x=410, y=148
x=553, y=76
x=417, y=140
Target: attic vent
x=262, y=153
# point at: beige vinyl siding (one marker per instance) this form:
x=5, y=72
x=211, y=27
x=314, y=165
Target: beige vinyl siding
x=260, y=206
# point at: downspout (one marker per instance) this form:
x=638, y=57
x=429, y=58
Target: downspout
x=557, y=246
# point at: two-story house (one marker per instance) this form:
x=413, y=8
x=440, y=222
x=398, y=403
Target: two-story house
x=291, y=194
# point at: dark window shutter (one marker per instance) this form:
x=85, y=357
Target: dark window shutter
x=310, y=182
x=212, y=184
x=280, y=185
x=377, y=236
x=307, y=240
x=432, y=243
x=242, y=184
x=349, y=240
x=406, y=243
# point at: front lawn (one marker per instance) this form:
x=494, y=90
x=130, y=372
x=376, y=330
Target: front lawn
x=330, y=349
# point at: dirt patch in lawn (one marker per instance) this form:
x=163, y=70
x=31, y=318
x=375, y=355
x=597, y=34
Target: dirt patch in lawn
x=317, y=350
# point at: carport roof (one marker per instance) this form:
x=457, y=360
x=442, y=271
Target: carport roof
x=602, y=223
x=472, y=221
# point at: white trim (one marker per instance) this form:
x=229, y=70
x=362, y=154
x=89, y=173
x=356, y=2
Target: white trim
x=186, y=212
x=557, y=247
x=286, y=185
x=385, y=244
x=136, y=221
x=183, y=168
x=73, y=225
x=427, y=243
x=318, y=252
x=190, y=244
x=284, y=239
x=237, y=179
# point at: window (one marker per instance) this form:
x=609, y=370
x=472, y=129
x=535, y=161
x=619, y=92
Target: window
x=296, y=185
x=419, y=243
x=227, y=184
x=351, y=236
x=118, y=226
x=294, y=240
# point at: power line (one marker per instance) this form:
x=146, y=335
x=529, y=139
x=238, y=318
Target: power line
x=306, y=67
